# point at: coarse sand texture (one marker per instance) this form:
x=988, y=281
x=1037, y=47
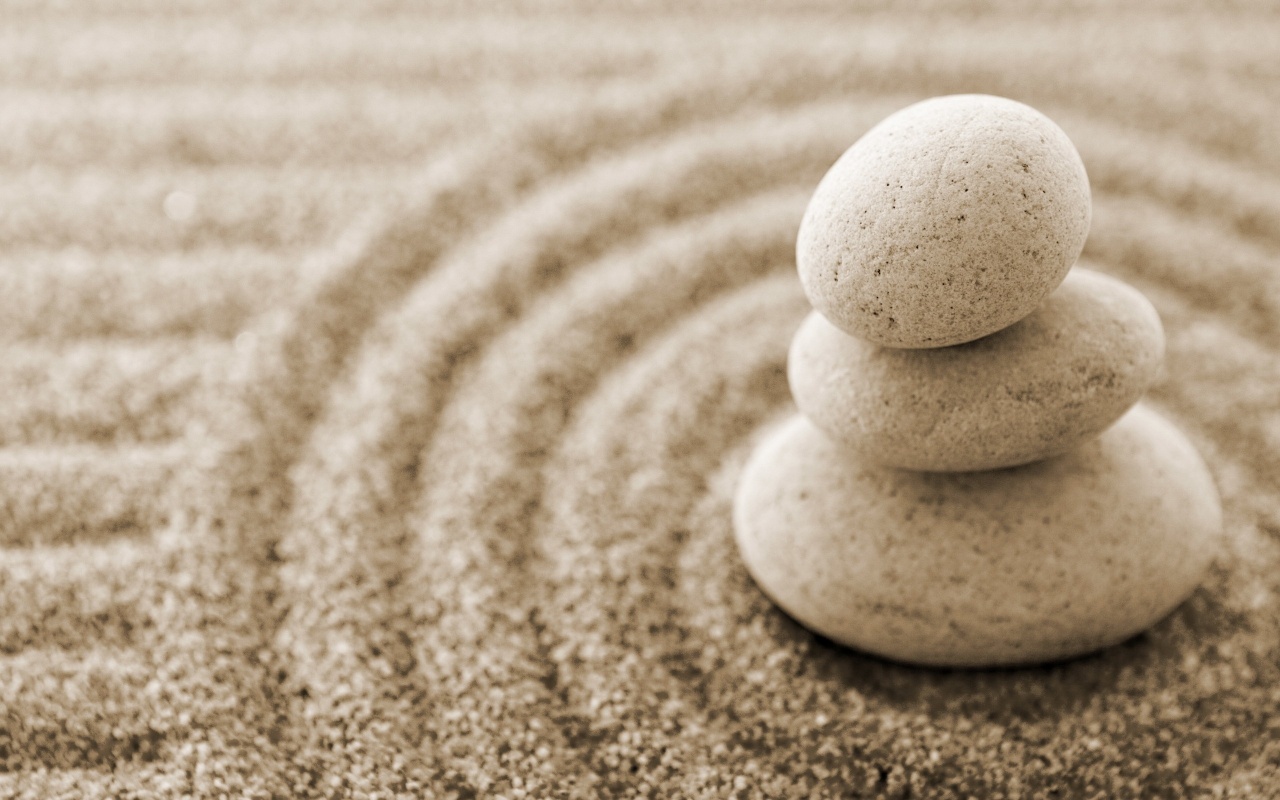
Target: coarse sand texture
x=378, y=381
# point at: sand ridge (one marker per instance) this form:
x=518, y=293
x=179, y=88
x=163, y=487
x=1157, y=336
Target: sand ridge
x=402, y=466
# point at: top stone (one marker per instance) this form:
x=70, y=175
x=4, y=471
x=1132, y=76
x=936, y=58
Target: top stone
x=950, y=220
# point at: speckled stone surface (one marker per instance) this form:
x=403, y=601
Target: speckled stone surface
x=1037, y=388
x=951, y=219
x=1033, y=564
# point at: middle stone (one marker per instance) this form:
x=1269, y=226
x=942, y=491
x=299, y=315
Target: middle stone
x=1036, y=389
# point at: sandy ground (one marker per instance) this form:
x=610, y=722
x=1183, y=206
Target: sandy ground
x=376, y=379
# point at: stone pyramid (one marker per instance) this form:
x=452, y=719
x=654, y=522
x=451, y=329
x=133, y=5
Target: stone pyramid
x=972, y=480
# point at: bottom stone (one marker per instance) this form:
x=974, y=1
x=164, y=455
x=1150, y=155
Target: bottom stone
x=1014, y=566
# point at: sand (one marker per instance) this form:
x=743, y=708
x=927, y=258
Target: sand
x=376, y=382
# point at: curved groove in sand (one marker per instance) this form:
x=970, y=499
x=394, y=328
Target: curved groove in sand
x=396, y=650
x=61, y=495
x=276, y=208
x=303, y=52
x=461, y=190
x=495, y=440
x=396, y=254
x=625, y=302
x=71, y=597
x=687, y=262
x=1213, y=268
x=98, y=392
x=648, y=437
x=72, y=293
x=61, y=712
x=332, y=309
x=1124, y=161
x=320, y=362
x=498, y=244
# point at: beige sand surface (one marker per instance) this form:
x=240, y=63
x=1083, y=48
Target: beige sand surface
x=376, y=377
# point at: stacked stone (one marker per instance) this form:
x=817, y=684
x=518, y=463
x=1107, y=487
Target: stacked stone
x=972, y=480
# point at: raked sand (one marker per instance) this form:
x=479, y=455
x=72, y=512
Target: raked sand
x=376, y=380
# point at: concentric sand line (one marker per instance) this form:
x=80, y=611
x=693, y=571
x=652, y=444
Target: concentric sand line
x=1123, y=161
x=623, y=301
x=73, y=293
x=305, y=52
x=774, y=87
x=1219, y=272
x=234, y=206
x=626, y=210
x=444, y=455
x=725, y=612
x=746, y=231
x=147, y=391
x=81, y=709
x=772, y=667
x=647, y=438
x=675, y=104
x=339, y=286
x=241, y=125
x=196, y=554
x=58, y=495
x=66, y=597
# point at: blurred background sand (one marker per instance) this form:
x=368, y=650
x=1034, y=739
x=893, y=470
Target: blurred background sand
x=375, y=379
